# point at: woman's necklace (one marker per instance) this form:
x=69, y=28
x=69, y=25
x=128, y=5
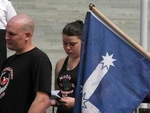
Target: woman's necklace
x=72, y=65
x=69, y=67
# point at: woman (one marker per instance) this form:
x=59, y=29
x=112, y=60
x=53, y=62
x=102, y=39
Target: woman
x=67, y=68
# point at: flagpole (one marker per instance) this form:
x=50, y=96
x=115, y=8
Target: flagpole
x=144, y=23
x=144, y=32
x=120, y=32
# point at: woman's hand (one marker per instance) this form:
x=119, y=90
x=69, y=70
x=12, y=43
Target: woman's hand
x=68, y=102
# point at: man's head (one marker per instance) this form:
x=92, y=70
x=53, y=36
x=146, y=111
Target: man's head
x=19, y=31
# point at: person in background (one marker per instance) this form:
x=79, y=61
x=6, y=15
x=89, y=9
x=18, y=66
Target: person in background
x=147, y=98
x=66, y=70
x=25, y=81
x=7, y=11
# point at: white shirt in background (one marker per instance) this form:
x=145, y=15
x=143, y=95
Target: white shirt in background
x=7, y=11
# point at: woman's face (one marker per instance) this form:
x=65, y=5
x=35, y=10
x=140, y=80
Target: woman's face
x=72, y=45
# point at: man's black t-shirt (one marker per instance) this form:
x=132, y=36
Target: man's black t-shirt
x=22, y=76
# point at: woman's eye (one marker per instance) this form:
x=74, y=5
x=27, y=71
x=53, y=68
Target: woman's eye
x=64, y=43
x=72, y=44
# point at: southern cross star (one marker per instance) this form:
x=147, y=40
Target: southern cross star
x=108, y=60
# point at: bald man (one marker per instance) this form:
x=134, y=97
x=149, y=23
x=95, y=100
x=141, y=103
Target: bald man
x=25, y=82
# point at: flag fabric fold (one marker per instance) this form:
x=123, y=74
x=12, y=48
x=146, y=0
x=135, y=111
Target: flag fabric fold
x=113, y=76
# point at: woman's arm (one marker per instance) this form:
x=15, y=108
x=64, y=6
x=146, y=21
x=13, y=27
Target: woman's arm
x=58, y=67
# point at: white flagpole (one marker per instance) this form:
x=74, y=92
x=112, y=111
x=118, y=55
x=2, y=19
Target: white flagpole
x=144, y=23
x=144, y=32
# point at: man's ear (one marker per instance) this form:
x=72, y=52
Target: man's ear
x=28, y=35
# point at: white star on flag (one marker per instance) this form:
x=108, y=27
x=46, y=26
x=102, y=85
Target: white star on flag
x=108, y=60
x=94, y=80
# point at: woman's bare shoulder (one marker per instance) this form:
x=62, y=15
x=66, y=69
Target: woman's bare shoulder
x=59, y=65
x=61, y=61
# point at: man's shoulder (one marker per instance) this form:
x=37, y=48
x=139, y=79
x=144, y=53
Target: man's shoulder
x=39, y=54
x=38, y=51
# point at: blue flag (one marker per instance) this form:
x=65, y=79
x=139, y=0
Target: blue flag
x=113, y=76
